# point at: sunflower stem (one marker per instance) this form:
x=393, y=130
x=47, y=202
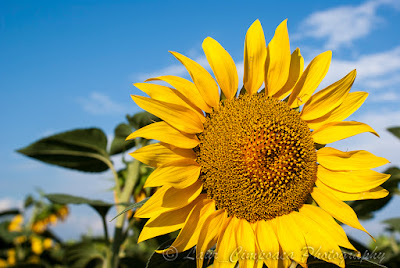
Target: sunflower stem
x=124, y=196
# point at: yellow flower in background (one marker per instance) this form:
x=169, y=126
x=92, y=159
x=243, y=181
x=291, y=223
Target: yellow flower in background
x=20, y=239
x=11, y=256
x=36, y=245
x=63, y=212
x=16, y=223
x=53, y=219
x=240, y=172
x=39, y=226
x=34, y=259
x=3, y=263
x=47, y=243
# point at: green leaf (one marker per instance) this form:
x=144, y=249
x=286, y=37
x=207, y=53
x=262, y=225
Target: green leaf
x=86, y=254
x=142, y=119
x=132, y=206
x=71, y=199
x=119, y=144
x=6, y=235
x=9, y=212
x=81, y=149
x=29, y=201
x=100, y=206
x=395, y=131
x=394, y=224
x=173, y=259
x=365, y=208
x=129, y=262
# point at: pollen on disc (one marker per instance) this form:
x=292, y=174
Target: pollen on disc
x=257, y=157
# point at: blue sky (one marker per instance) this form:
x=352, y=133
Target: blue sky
x=71, y=64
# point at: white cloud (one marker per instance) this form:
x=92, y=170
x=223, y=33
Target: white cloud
x=8, y=203
x=374, y=71
x=385, y=96
x=386, y=146
x=340, y=26
x=100, y=104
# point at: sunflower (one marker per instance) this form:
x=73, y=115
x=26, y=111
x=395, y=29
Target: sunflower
x=251, y=172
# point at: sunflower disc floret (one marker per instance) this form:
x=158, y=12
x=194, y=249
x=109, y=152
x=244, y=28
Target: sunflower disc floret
x=258, y=158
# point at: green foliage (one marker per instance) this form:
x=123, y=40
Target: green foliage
x=393, y=224
x=142, y=119
x=395, y=131
x=100, y=206
x=119, y=144
x=174, y=259
x=81, y=149
x=71, y=199
x=88, y=253
x=29, y=201
x=5, y=235
x=9, y=212
x=130, y=207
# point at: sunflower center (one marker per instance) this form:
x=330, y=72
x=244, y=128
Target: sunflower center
x=258, y=158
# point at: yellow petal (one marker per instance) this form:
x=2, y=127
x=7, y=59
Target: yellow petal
x=334, y=159
x=165, y=223
x=169, y=95
x=291, y=239
x=226, y=245
x=329, y=98
x=165, y=133
x=259, y=261
x=179, y=117
x=354, y=181
x=268, y=243
x=295, y=72
x=202, y=79
x=277, y=64
x=319, y=243
x=335, y=131
x=178, y=174
x=189, y=234
x=209, y=235
x=331, y=227
x=375, y=193
x=186, y=88
x=223, y=66
x=350, y=104
x=246, y=244
x=310, y=79
x=255, y=52
x=159, y=154
x=168, y=199
x=338, y=209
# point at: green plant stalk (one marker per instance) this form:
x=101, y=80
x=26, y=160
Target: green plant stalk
x=124, y=196
x=115, y=175
x=106, y=236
